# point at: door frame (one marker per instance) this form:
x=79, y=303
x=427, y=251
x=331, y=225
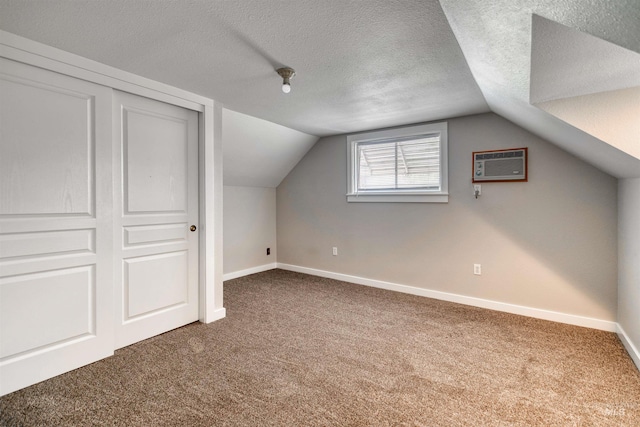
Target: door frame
x=27, y=51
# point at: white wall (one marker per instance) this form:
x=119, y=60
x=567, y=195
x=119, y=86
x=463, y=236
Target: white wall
x=549, y=244
x=629, y=259
x=609, y=116
x=249, y=228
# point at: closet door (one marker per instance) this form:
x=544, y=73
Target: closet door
x=56, y=275
x=156, y=230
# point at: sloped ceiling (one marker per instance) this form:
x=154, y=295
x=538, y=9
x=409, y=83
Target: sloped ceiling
x=258, y=153
x=566, y=62
x=590, y=83
x=360, y=64
x=495, y=37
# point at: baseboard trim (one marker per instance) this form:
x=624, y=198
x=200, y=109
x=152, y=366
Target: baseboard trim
x=628, y=344
x=538, y=313
x=248, y=271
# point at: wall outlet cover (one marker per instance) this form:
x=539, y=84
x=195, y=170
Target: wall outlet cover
x=477, y=269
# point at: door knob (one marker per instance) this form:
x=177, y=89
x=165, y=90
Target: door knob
x=192, y=228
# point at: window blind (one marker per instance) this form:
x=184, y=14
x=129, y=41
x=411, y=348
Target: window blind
x=399, y=164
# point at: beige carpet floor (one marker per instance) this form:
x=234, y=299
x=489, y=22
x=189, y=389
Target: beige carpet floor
x=297, y=350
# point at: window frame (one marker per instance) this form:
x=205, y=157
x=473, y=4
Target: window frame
x=398, y=195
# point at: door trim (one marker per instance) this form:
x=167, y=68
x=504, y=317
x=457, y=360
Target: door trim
x=210, y=146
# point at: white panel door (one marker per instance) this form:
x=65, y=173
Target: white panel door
x=156, y=251
x=56, y=275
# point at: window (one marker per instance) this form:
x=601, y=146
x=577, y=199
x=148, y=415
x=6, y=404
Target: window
x=399, y=165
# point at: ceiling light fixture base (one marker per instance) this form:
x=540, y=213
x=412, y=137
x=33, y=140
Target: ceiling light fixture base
x=286, y=73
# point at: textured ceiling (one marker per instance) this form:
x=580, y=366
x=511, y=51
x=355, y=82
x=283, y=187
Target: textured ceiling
x=612, y=116
x=592, y=84
x=566, y=62
x=495, y=37
x=360, y=64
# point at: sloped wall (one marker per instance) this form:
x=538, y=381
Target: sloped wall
x=549, y=243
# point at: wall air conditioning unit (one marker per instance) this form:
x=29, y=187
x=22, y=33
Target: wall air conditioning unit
x=500, y=165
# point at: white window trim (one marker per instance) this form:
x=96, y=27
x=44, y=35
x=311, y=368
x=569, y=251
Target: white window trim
x=399, y=196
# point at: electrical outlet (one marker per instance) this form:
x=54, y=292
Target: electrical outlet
x=268, y=251
x=477, y=269
x=335, y=251
x=477, y=190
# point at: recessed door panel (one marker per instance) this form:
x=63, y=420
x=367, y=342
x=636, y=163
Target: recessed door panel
x=154, y=234
x=155, y=149
x=46, y=159
x=158, y=158
x=154, y=283
x=46, y=243
x=44, y=309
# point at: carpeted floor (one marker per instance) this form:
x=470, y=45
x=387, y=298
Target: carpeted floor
x=297, y=350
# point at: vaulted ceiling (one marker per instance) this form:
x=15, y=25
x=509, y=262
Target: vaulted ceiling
x=361, y=64
x=498, y=38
